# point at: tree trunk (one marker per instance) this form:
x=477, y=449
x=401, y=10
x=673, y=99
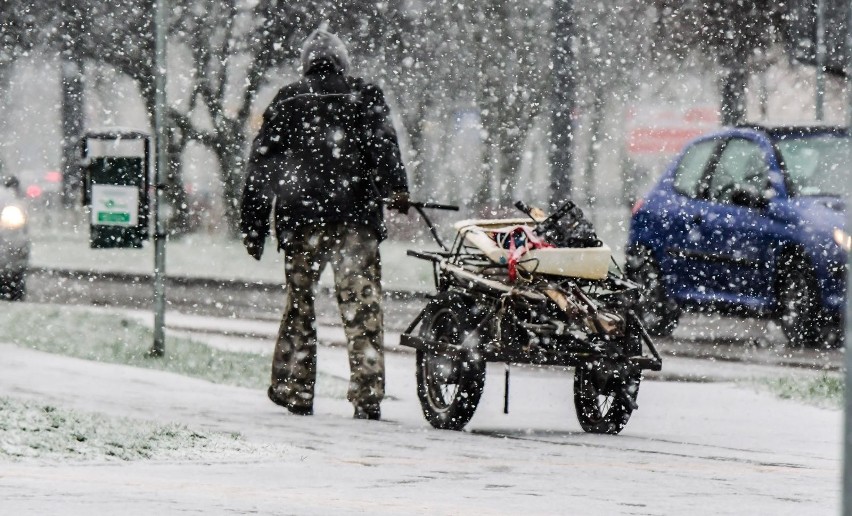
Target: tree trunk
x=233, y=192
x=417, y=141
x=486, y=196
x=512, y=151
x=229, y=153
x=72, y=126
x=734, y=83
x=593, y=150
x=562, y=102
x=175, y=194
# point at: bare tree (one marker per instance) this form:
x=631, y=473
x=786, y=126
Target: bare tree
x=725, y=31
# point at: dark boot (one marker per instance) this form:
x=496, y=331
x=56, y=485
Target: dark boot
x=299, y=410
x=371, y=412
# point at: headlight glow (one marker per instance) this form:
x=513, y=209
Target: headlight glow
x=843, y=239
x=12, y=217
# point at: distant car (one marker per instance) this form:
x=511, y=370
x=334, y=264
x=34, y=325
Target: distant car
x=748, y=221
x=14, y=241
x=45, y=193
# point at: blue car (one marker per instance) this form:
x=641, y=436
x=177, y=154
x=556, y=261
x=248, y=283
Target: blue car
x=748, y=221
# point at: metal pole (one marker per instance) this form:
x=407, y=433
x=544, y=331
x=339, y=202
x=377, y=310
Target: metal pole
x=820, y=60
x=847, y=433
x=849, y=67
x=562, y=98
x=160, y=29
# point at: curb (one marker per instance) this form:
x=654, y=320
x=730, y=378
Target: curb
x=191, y=281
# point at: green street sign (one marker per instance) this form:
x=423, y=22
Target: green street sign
x=114, y=217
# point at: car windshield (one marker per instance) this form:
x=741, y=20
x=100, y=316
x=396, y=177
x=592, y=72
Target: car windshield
x=816, y=165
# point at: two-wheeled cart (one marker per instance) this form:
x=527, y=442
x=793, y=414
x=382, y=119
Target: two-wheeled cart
x=538, y=290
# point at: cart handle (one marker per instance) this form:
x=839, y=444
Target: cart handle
x=420, y=206
x=433, y=206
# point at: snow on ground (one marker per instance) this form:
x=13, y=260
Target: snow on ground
x=32, y=430
x=209, y=256
x=111, y=336
x=700, y=448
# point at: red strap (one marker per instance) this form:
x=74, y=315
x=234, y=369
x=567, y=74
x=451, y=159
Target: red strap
x=515, y=253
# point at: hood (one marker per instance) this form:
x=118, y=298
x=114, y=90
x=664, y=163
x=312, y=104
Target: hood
x=322, y=45
x=825, y=213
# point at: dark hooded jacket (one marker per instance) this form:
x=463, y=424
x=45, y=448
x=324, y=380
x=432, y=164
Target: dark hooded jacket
x=326, y=153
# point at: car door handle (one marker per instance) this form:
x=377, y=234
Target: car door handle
x=697, y=219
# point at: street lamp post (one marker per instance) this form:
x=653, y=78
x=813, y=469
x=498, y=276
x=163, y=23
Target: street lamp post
x=160, y=28
x=847, y=433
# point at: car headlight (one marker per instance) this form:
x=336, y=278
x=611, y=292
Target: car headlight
x=12, y=217
x=843, y=239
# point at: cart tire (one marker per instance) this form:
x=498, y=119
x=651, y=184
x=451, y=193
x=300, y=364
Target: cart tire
x=599, y=400
x=449, y=388
x=658, y=312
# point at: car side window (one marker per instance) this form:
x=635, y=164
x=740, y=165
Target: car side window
x=742, y=165
x=690, y=171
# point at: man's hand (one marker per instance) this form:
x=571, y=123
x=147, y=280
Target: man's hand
x=399, y=201
x=254, y=244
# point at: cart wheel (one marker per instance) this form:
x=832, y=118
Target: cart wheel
x=599, y=397
x=449, y=387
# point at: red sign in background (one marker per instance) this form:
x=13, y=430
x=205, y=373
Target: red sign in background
x=661, y=131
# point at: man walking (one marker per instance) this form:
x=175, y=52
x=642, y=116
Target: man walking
x=326, y=154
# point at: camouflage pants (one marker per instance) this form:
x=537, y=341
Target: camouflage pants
x=353, y=253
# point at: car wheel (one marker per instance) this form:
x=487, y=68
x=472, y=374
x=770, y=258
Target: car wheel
x=13, y=287
x=658, y=312
x=799, y=306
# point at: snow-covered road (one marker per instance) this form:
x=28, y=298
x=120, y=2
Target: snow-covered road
x=694, y=448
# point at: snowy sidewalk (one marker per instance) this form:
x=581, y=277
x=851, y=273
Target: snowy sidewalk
x=691, y=448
